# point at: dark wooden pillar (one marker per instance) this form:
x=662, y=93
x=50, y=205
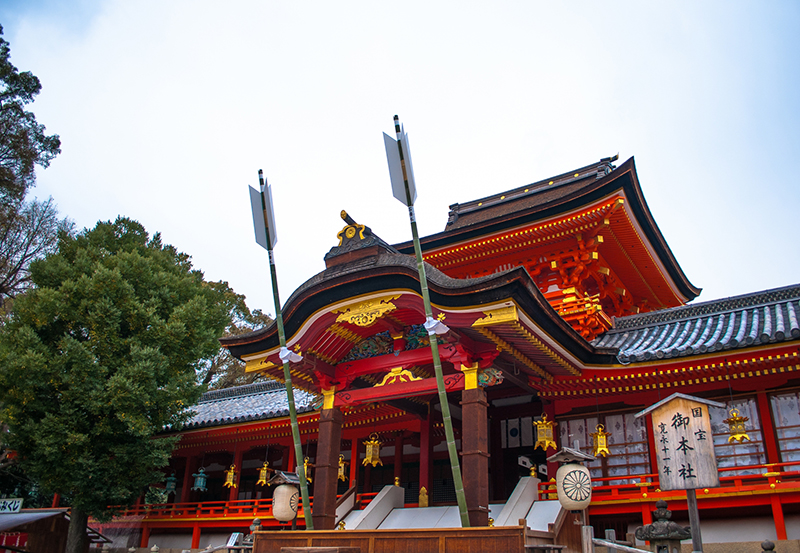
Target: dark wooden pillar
x=398, y=456
x=475, y=455
x=327, y=469
x=367, y=484
x=426, y=454
x=496, y=461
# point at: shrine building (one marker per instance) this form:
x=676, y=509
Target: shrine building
x=568, y=313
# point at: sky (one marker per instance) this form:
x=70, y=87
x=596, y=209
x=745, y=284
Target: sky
x=167, y=110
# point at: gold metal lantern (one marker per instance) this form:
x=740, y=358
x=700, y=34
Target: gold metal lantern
x=544, y=433
x=230, y=477
x=373, y=456
x=600, y=442
x=736, y=427
x=263, y=474
x=342, y=468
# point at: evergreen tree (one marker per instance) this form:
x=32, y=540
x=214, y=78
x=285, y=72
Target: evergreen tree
x=98, y=357
x=23, y=142
x=28, y=229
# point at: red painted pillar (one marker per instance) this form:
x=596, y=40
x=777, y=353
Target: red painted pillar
x=196, y=536
x=768, y=428
x=398, y=455
x=291, y=464
x=426, y=454
x=145, y=536
x=327, y=468
x=647, y=514
x=354, y=462
x=777, y=515
x=651, y=445
x=188, y=481
x=237, y=462
x=56, y=500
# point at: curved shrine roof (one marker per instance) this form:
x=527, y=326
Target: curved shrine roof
x=398, y=271
x=555, y=197
x=251, y=402
x=766, y=317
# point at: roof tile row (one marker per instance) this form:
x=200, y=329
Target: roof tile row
x=259, y=401
x=761, y=318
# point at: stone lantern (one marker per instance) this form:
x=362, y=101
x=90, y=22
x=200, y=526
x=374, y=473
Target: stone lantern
x=665, y=535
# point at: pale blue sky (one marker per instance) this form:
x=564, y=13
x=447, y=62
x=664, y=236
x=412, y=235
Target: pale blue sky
x=167, y=110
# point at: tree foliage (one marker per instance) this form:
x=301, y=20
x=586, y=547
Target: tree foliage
x=23, y=142
x=26, y=234
x=224, y=370
x=100, y=355
x=28, y=229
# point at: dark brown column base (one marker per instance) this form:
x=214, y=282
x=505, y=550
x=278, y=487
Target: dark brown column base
x=326, y=472
x=475, y=455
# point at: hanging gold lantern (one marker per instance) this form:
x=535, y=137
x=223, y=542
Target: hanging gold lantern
x=736, y=426
x=230, y=477
x=263, y=474
x=307, y=466
x=544, y=433
x=373, y=451
x=600, y=442
x=342, y=468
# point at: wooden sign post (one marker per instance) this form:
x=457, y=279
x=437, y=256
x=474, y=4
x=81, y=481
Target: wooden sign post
x=685, y=450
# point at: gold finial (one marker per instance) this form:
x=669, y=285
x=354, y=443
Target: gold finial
x=423, y=497
x=397, y=481
x=340, y=525
x=491, y=522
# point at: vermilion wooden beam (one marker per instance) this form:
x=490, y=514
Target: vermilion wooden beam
x=352, y=369
x=452, y=383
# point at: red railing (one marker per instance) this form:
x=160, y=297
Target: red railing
x=771, y=477
x=242, y=508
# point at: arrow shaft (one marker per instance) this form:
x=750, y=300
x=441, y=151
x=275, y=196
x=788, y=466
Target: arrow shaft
x=287, y=375
x=437, y=363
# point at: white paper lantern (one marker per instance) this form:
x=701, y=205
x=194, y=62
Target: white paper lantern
x=284, y=502
x=574, y=486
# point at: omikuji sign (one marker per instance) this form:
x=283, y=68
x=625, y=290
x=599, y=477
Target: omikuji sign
x=10, y=505
x=684, y=443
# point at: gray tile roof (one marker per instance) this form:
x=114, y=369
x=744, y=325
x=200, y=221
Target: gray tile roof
x=259, y=401
x=760, y=318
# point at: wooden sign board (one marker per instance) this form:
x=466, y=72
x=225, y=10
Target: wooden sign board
x=684, y=443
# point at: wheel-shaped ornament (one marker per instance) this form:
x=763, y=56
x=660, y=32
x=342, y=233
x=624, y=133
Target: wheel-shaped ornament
x=574, y=486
